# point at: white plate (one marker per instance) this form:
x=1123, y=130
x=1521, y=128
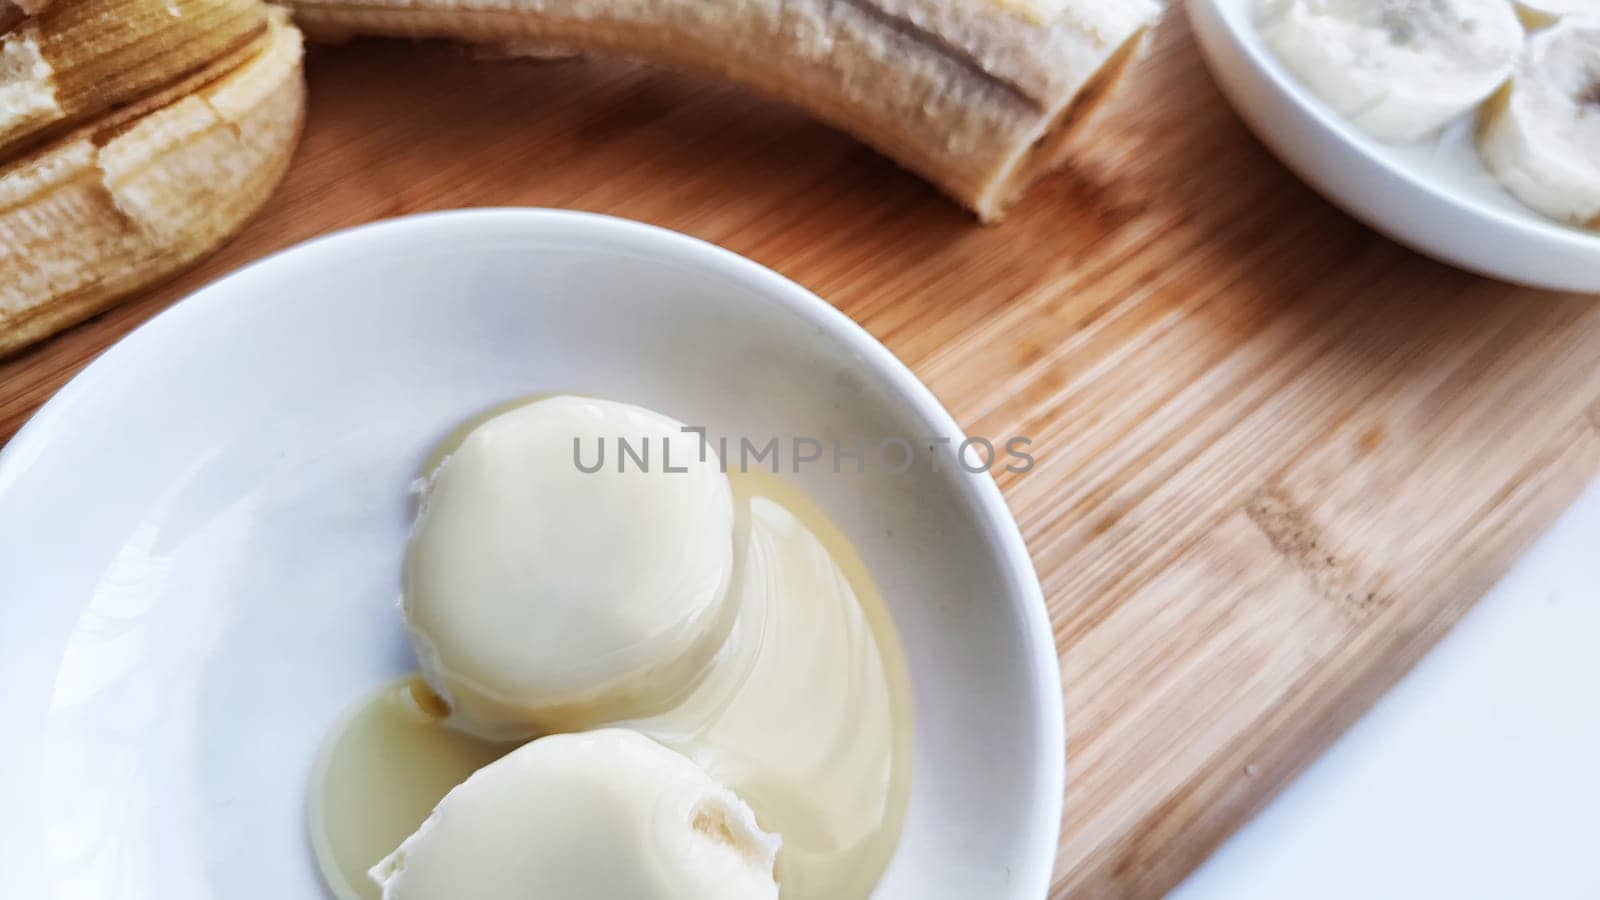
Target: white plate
x=200, y=540
x=1435, y=197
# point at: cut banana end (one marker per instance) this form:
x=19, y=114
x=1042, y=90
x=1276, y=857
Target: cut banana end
x=135, y=197
x=1397, y=69
x=977, y=96
x=74, y=60
x=1540, y=135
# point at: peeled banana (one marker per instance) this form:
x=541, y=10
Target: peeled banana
x=135, y=136
x=1397, y=69
x=977, y=96
x=1540, y=135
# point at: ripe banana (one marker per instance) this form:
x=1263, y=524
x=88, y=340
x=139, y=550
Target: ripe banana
x=1397, y=69
x=977, y=96
x=1540, y=135
x=145, y=182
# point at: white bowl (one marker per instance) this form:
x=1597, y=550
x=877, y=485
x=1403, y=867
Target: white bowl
x=1435, y=197
x=200, y=540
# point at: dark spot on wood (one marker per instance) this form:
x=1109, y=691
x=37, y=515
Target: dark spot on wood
x=1371, y=439
x=1298, y=539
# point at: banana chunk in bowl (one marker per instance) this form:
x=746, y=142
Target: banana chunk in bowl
x=1540, y=135
x=606, y=813
x=1397, y=69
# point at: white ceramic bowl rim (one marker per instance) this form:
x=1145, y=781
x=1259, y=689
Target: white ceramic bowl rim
x=980, y=493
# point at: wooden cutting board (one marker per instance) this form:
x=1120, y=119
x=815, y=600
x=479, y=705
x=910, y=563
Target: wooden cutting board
x=1277, y=454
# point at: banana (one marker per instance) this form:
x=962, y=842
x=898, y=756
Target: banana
x=977, y=96
x=1397, y=69
x=135, y=194
x=1540, y=134
x=75, y=59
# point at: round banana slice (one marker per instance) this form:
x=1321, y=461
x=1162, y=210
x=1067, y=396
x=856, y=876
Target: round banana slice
x=551, y=584
x=1540, y=135
x=1398, y=69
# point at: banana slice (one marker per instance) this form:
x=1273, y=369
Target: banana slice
x=139, y=194
x=1540, y=135
x=977, y=96
x=1397, y=69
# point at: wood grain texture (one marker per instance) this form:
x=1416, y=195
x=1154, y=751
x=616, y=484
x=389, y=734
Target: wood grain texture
x=1277, y=454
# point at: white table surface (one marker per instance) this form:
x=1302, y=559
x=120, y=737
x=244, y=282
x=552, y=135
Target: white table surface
x=1477, y=776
